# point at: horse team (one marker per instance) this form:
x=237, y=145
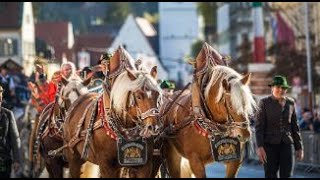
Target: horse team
x=84, y=128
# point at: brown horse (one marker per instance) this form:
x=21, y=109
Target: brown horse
x=49, y=129
x=133, y=100
x=226, y=103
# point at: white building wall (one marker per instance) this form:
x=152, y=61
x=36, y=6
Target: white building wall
x=223, y=26
x=13, y=35
x=28, y=38
x=137, y=45
x=178, y=29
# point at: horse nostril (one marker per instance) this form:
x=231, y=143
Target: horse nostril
x=150, y=128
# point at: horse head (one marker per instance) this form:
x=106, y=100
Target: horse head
x=208, y=56
x=72, y=89
x=230, y=100
x=135, y=97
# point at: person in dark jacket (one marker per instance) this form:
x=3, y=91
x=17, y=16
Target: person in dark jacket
x=277, y=132
x=9, y=141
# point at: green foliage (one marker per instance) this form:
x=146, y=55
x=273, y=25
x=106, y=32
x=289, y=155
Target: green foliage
x=196, y=48
x=208, y=11
x=241, y=64
x=291, y=63
x=36, y=7
x=117, y=12
x=152, y=18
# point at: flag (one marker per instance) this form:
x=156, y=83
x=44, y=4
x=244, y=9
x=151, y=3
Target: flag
x=284, y=33
x=259, y=42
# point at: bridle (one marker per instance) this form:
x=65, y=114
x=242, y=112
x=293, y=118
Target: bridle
x=217, y=128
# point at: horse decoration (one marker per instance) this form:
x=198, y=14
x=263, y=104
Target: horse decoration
x=117, y=127
x=224, y=103
x=49, y=129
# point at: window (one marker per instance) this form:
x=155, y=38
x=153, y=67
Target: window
x=8, y=47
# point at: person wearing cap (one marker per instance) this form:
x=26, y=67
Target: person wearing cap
x=167, y=87
x=10, y=143
x=277, y=132
x=103, y=61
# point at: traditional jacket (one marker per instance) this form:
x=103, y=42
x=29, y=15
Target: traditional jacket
x=276, y=124
x=9, y=136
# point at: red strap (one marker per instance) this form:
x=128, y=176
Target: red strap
x=101, y=112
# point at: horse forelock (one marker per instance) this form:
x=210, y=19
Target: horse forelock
x=123, y=85
x=241, y=96
x=75, y=82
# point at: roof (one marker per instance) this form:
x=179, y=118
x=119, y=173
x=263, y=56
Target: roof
x=56, y=35
x=94, y=43
x=11, y=14
x=110, y=29
x=146, y=27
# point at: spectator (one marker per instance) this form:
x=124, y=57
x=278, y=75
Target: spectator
x=7, y=82
x=10, y=142
x=306, y=123
x=316, y=122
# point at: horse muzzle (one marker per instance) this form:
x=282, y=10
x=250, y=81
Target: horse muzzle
x=150, y=130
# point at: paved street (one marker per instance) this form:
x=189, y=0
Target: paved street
x=217, y=170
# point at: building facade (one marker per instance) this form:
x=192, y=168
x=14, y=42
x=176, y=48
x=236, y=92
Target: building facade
x=17, y=35
x=136, y=35
x=178, y=29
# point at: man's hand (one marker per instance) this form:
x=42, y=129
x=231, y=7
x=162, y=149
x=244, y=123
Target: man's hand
x=299, y=154
x=16, y=166
x=262, y=155
x=39, y=69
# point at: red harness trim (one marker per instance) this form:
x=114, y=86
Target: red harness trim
x=105, y=124
x=200, y=130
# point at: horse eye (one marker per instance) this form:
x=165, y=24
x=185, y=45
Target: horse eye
x=139, y=96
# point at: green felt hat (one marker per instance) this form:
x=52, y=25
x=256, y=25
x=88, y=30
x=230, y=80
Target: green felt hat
x=279, y=81
x=167, y=85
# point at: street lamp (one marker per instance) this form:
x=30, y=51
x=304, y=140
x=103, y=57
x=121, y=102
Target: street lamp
x=308, y=55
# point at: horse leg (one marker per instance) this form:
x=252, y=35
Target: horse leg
x=74, y=162
x=32, y=139
x=232, y=168
x=89, y=170
x=173, y=162
x=107, y=171
x=197, y=166
x=54, y=167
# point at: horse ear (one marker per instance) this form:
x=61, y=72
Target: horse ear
x=87, y=81
x=246, y=79
x=154, y=72
x=226, y=85
x=131, y=74
x=64, y=81
x=200, y=61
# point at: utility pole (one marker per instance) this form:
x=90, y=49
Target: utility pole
x=308, y=55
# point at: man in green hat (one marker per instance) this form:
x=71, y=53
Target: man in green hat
x=167, y=87
x=10, y=143
x=277, y=131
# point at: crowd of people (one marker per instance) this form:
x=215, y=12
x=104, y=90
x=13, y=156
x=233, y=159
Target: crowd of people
x=309, y=121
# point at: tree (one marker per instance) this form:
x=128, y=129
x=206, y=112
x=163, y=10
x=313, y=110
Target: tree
x=196, y=48
x=209, y=12
x=241, y=64
x=292, y=62
x=36, y=7
x=152, y=18
x=117, y=12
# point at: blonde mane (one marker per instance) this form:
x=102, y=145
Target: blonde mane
x=241, y=96
x=123, y=85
